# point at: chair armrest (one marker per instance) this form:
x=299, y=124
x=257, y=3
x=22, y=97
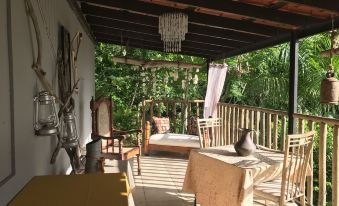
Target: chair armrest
x=119, y=137
x=268, y=149
x=120, y=132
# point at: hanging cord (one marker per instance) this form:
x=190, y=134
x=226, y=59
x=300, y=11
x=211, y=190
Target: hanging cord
x=330, y=72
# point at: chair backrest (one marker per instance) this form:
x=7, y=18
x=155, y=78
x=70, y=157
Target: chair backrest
x=298, y=149
x=102, y=119
x=208, y=131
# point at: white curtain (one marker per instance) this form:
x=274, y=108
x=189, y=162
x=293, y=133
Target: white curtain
x=215, y=85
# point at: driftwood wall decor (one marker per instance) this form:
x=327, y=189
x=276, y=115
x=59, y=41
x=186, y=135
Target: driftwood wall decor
x=67, y=86
x=75, y=45
x=36, y=66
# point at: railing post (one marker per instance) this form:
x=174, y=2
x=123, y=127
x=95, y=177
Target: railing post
x=322, y=164
x=293, y=83
x=335, y=169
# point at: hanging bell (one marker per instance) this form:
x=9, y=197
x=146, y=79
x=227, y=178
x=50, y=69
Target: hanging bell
x=329, y=89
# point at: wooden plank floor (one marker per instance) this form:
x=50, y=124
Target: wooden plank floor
x=161, y=181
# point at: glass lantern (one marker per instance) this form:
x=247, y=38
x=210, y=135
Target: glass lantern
x=46, y=120
x=69, y=133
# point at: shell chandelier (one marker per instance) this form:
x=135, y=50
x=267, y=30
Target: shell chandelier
x=173, y=28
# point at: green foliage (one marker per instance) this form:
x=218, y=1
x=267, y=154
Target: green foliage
x=124, y=82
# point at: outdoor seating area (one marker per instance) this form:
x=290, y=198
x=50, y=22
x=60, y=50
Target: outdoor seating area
x=145, y=102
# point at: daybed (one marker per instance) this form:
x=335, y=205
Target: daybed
x=163, y=140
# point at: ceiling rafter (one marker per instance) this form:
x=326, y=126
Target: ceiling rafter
x=321, y=9
x=141, y=45
x=194, y=18
x=152, y=41
x=307, y=31
x=115, y=18
x=135, y=23
x=240, y=11
x=222, y=43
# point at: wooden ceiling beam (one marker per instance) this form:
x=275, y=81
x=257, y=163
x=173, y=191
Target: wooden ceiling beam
x=307, y=31
x=194, y=18
x=316, y=8
x=151, y=40
x=138, y=45
x=237, y=10
x=198, y=39
x=332, y=6
x=148, y=24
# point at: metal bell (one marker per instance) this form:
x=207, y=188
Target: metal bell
x=329, y=89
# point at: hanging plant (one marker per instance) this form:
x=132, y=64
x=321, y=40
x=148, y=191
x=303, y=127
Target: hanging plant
x=166, y=78
x=195, y=79
x=175, y=75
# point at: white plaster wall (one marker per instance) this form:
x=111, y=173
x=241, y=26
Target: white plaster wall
x=33, y=153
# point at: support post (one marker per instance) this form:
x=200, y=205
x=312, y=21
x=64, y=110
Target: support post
x=208, y=61
x=293, y=83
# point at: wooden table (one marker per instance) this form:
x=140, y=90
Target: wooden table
x=219, y=177
x=83, y=190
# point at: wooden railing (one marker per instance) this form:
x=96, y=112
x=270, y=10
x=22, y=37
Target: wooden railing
x=269, y=125
x=326, y=127
x=271, y=128
x=178, y=111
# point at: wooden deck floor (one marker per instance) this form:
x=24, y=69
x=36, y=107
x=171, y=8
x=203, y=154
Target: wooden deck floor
x=161, y=181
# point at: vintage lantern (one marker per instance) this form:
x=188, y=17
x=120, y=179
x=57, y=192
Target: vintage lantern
x=69, y=133
x=46, y=120
x=329, y=89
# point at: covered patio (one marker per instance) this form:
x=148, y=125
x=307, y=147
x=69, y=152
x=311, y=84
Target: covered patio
x=217, y=30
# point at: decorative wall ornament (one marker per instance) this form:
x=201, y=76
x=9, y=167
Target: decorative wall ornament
x=46, y=119
x=68, y=130
x=36, y=66
x=173, y=28
x=68, y=137
x=75, y=44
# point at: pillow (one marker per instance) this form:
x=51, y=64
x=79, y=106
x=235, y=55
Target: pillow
x=160, y=125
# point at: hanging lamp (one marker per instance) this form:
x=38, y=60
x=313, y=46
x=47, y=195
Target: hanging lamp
x=329, y=89
x=173, y=28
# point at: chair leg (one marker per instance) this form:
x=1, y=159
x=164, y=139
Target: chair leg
x=302, y=201
x=138, y=160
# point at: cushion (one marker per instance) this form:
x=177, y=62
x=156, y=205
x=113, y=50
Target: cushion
x=171, y=139
x=160, y=125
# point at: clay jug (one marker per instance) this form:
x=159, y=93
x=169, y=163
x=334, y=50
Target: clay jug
x=245, y=145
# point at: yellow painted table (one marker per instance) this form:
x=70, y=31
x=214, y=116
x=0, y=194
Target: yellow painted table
x=219, y=177
x=73, y=190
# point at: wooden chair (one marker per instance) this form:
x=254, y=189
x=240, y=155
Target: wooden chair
x=112, y=140
x=208, y=131
x=291, y=186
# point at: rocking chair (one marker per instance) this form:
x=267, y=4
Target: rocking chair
x=112, y=140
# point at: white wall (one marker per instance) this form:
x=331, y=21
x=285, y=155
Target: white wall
x=33, y=153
